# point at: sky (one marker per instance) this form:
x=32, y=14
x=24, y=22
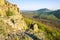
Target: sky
x=36, y=4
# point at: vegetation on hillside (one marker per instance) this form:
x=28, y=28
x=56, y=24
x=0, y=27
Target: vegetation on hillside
x=9, y=13
x=50, y=33
x=45, y=16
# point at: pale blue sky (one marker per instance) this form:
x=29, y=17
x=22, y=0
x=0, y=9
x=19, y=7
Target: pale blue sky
x=37, y=4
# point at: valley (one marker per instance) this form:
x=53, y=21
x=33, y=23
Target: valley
x=47, y=18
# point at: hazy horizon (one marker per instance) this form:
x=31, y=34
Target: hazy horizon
x=36, y=4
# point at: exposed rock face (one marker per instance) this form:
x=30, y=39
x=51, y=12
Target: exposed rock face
x=34, y=27
x=2, y=2
x=10, y=18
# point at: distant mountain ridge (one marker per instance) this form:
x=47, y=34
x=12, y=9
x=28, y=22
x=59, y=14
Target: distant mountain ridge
x=56, y=13
x=44, y=10
x=44, y=13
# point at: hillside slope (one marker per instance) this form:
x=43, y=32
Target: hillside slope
x=11, y=21
x=15, y=27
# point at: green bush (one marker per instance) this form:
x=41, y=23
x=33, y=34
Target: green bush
x=57, y=35
x=41, y=26
x=9, y=13
x=28, y=21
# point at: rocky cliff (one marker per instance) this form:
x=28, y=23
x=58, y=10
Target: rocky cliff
x=10, y=15
x=11, y=21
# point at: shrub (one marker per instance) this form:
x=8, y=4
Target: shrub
x=28, y=21
x=57, y=35
x=41, y=26
x=9, y=13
